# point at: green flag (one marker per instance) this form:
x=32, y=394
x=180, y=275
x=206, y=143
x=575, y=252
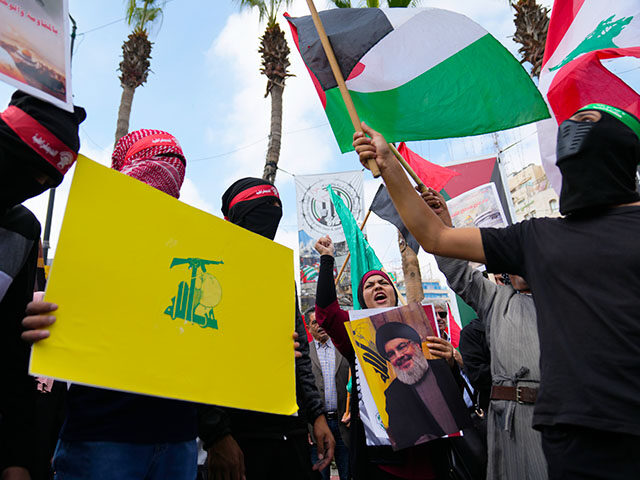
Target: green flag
x=363, y=258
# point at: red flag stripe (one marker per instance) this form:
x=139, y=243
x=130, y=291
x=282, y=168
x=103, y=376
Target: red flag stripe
x=564, y=12
x=585, y=80
x=314, y=79
x=454, y=329
x=431, y=174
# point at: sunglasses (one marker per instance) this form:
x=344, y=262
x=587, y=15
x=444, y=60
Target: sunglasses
x=442, y=314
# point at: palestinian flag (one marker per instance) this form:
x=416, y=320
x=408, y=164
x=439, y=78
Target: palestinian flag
x=474, y=173
x=416, y=74
x=583, y=33
x=431, y=174
x=463, y=177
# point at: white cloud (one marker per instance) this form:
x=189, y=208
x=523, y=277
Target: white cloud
x=305, y=149
x=190, y=195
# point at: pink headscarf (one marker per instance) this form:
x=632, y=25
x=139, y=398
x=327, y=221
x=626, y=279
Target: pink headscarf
x=142, y=154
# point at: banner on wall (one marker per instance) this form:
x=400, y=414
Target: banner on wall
x=317, y=217
x=35, y=54
x=164, y=303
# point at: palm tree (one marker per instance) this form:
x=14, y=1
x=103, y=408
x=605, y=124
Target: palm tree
x=532, y=22
x=136, y=53
x=275, y=62
x=410, y=263
x=375, y=3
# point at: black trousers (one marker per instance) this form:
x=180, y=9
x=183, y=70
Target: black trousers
x=574, y=453
x=277, y=459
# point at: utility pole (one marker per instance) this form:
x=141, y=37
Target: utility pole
x=52, y=192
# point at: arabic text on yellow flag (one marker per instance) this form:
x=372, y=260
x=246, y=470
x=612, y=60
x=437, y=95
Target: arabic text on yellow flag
x=160, y=298
x=374, y=367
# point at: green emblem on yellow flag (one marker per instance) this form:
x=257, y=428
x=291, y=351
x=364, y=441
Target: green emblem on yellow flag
x=195, y=300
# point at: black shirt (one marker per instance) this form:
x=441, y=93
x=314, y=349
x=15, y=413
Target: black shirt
x=584, y=273
x=477, y=359
x=19, y=233
x=95, y=414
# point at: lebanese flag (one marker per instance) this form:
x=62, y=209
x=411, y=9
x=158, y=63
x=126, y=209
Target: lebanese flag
x=581, y=34
x=416, y=74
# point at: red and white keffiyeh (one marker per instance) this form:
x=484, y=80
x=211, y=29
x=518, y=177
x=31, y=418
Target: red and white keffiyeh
x=141, y=155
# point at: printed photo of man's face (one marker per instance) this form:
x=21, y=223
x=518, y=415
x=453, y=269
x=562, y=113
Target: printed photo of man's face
x=407, y=360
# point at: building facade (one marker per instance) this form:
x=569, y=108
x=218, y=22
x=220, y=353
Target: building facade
x=532, y=194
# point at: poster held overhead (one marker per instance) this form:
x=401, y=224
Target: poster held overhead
x=35, y=54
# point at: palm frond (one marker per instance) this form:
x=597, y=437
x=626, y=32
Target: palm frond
x=342, y=3
x=267, y=9
x=141, y=14
x=403, y=3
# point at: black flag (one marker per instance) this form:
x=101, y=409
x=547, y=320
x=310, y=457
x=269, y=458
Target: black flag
x=384, y=208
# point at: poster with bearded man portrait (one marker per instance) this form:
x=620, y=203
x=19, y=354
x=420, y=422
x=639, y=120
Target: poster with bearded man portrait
x=422, y=394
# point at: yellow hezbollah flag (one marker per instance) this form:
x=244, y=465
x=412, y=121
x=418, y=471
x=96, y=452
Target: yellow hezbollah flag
x=160, y=298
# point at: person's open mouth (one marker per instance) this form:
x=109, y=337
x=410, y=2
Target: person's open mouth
x=380, y=297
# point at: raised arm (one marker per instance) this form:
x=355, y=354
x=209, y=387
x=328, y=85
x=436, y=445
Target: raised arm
x=431, y=233
x=329, y=315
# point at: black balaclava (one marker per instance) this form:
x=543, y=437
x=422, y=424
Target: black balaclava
x=249, y=203
x=598, y=161
x=38, y=144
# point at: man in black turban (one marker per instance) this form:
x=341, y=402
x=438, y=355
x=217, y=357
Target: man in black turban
x=262, y=445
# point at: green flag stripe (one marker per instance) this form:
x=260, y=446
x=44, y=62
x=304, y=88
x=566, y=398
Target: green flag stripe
x=480, y=89
x=363, y=257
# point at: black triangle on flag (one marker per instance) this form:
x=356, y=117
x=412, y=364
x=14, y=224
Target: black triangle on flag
x=385, y=209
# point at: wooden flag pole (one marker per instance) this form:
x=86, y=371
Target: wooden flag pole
x=348, y=101
x=335, y=68
x=407, y=167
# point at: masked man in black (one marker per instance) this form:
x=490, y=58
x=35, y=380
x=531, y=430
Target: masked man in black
x=261, y=445
x=589, y=398
x=38, y=145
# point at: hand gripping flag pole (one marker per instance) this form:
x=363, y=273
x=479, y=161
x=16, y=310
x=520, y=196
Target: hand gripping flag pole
x=348, y=101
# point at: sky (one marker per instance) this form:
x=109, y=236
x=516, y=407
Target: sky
x=205, y=89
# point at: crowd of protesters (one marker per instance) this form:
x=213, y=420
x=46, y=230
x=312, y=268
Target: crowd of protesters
x=549, y=370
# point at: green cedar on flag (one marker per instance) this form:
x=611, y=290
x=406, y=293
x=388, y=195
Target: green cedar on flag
x=416, y=74
x=363, y=258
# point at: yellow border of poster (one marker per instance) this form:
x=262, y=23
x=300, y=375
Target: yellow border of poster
x=160, y=298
